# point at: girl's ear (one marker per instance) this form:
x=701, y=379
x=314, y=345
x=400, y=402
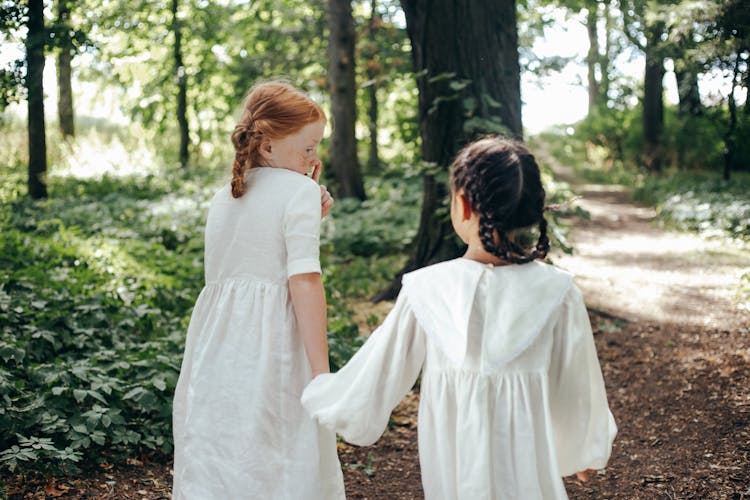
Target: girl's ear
x=265, y=150
x=464, y=207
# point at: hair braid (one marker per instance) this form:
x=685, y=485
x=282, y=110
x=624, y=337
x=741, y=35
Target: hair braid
x=272, y=110
x=502, y=183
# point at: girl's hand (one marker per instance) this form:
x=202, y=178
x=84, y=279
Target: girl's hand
x=585, y=475
x=326, y=202
x=316, y=171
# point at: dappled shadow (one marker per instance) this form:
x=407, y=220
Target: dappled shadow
x=630, y=267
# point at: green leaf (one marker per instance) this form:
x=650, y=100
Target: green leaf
x=160, y=384
x=97, y=396
x=79, y=394
x=134, y=393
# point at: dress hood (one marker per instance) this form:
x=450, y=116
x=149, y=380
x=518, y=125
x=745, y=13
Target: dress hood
x=473, y=309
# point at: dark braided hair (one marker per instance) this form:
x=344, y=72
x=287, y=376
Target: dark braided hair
x=501, y=181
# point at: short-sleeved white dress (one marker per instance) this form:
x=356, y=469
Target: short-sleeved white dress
x=240, y=431
x=512, y=396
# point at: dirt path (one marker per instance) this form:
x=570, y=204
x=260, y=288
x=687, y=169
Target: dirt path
x=628, y=266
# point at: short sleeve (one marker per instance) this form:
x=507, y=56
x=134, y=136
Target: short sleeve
x=302, y=230
x=583, y=424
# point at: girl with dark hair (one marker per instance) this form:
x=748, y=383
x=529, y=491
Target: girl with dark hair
x=257, y=334
x=512, y=396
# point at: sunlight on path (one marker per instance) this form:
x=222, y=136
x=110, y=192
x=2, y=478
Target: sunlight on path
x=627, y=266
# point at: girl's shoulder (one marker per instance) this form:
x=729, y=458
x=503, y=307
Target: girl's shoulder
x=286, y=187
x=522, y=273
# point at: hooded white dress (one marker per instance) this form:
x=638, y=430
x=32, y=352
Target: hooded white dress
x=240, y=431
x=512, y=396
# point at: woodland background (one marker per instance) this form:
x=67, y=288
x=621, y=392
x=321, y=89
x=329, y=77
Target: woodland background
x=102, y=217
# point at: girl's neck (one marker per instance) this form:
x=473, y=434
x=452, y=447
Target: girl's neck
x=479, y=254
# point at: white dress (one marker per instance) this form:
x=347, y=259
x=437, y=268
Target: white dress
x=512, y=396
x=240, y=431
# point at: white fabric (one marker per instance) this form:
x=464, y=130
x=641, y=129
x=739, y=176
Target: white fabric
x=239, y=429
x=512, y=396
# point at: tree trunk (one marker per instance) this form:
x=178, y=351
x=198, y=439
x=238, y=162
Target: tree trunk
x=747, y=90
x=729, y=136
x=181, y=79
x=343, y=151
x=592, y=58
x=64, y=88
x=373, y=160
x=688, y=92
x=607, y=54
x=35, y=39
x=653, y=102
x=466, y=58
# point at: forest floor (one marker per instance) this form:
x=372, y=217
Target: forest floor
x=673, y=337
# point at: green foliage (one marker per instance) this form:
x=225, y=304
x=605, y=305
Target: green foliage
x=97, y=285
x=383, y=224
x=696, y=142
x=700, y=202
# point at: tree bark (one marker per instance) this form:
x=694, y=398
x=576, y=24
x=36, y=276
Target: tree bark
x=373, y=159
x=729, y=136
x=653, y=102
x=607, y=55
x=592, y=58
x=35, y=41
x=466, y=57
x=688, y=92
x=181, y=80
x=343, y=151
x=65, y=114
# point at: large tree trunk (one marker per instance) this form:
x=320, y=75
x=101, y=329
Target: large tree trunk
x=64, y=88
x=373, y=71
x=35, y=39
x=653, y=102
x=592, y=58
x=181, y=79
x=466, y=58
x=343, y=151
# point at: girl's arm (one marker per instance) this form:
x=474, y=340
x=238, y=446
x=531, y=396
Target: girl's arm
x=357, y=401
x=309, y=302
x=582, y=422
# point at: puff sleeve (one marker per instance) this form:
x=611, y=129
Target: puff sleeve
x=302, y=230
x=357, y=401
x=583, y=425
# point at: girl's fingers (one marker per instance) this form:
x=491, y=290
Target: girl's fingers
x=316, y=171
x=584, y=475
x=326, y=201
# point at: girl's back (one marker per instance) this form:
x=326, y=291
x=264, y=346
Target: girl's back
x=511, y=395
x=245, y=237
x=238, y=426
x=511, y=372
